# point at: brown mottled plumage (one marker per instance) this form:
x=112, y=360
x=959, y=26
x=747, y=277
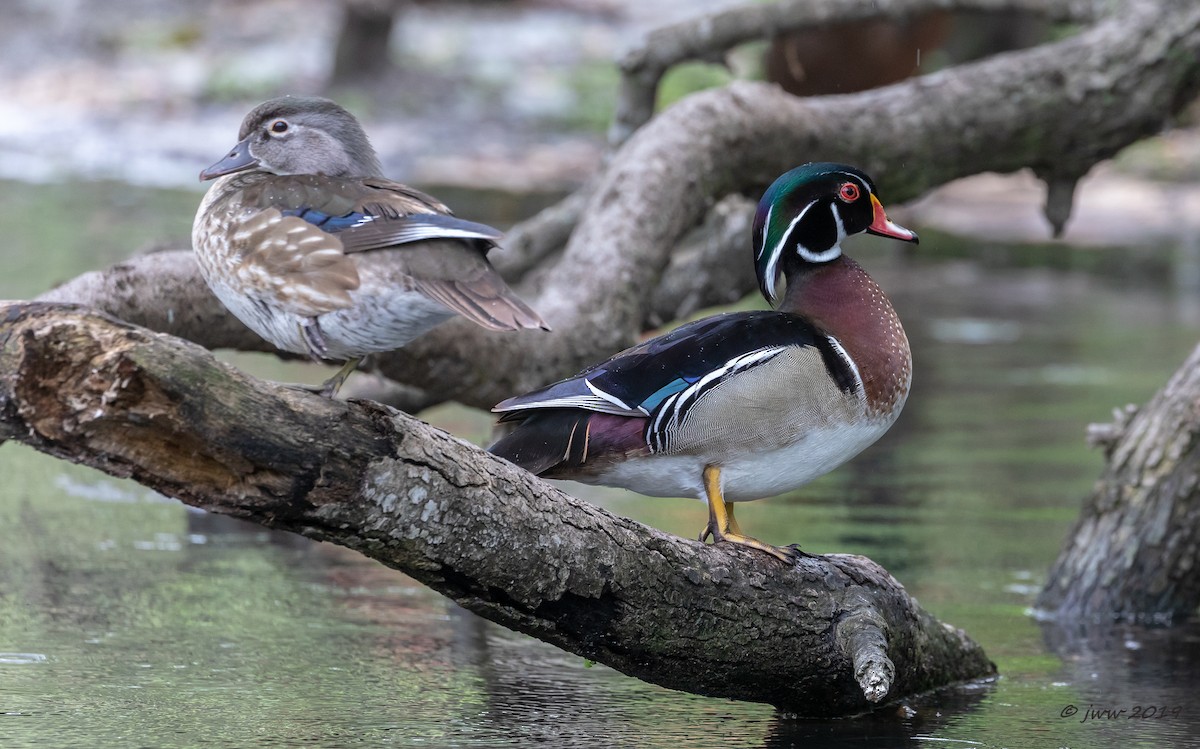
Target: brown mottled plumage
x=308, y=245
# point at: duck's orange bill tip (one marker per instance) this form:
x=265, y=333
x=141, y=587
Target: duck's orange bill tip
x=882, y=226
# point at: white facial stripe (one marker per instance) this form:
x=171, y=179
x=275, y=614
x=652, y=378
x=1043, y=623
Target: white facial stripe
x=832, y=252
x=770, y=279
x=820, y=257
x=837, y=218
x=771, y=273
x=766, y=226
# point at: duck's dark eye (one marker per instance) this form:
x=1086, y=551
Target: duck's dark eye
x=279, y=126
x=849, y=192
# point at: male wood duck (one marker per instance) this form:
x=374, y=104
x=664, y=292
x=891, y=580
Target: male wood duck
x=309, y=246
x=742, y=405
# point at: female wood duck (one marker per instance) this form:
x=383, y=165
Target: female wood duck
x=741, y=405
x=305, y=242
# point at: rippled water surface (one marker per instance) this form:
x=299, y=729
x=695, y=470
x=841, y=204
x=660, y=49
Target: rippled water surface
x=128, y=620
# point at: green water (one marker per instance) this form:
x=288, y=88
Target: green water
x=128, y=620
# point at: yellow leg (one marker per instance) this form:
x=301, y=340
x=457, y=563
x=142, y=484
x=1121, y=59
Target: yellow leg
x=330, y=387
x=724, y=528
x=733, y=523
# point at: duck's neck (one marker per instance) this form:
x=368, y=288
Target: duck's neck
x=843, y=301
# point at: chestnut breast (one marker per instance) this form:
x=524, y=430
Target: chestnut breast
x=843, y=300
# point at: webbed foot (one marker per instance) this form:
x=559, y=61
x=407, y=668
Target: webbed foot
x=724, y=528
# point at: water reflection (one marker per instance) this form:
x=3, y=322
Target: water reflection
x=128, y=620
x=912, y=724
x=1129, y=680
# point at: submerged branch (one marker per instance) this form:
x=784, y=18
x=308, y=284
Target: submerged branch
x=831, y=636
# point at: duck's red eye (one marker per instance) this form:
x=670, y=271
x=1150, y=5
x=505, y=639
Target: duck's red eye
x=279, y=126
x=849, y=192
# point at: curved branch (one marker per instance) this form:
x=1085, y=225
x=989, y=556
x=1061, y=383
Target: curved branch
x=163, y=291
x=833, y=635
x=1058, y=108
x=533, y=240
x=711, y=36
x=708, y=268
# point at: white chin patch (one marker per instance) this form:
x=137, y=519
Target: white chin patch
x=831, y=253
x=820, y=257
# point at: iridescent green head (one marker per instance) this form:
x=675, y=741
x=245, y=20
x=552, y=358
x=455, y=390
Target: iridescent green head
x=806, y=213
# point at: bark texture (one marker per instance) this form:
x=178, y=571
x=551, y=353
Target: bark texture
x=599, y=268
x=834, y=635
x=1133, y=553
x=709, y=38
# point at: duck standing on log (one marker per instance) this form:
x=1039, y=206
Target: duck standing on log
x=742, y=405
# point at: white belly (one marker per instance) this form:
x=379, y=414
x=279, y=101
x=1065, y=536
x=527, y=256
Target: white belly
x=750, y=475
x=375, y=323
x=770, y=429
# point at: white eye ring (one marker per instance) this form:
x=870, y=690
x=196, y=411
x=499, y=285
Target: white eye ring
x=279, y=127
